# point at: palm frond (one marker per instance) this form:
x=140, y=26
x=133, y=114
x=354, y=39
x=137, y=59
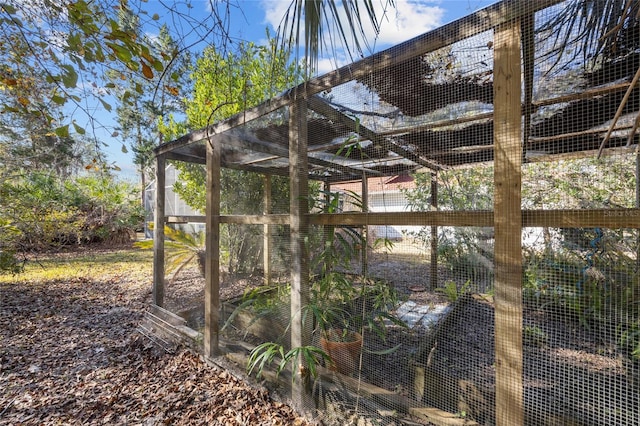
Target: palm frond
x=590, y=28
x=342, y=21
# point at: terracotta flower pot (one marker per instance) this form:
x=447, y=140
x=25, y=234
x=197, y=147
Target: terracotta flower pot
x=345, y=355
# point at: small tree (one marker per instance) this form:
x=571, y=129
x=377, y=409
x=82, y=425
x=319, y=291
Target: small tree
x=226, y=83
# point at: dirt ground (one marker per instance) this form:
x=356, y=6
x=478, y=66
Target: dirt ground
x=70, y=354
x=573, y=374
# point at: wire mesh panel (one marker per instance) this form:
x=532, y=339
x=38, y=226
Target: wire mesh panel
x=462, y=212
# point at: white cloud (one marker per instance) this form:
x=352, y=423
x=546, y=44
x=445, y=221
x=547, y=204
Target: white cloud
x=274, y=11
x=409, y=19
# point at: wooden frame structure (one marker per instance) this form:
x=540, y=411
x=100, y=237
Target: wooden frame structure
x=507, y=146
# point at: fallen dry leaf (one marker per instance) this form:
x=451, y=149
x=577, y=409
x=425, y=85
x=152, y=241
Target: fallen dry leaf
x=69, y=354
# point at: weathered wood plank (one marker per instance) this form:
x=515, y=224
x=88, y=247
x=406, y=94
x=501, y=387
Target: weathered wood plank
x=433, y=270
x=508, y=225
x=212, y=242
x=559, y=218
x=266, y=232
x=322, y=107
x=158, y=233
x=299, y=227
x=440, y=218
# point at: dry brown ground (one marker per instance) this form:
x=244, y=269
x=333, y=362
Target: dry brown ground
x=70, y=354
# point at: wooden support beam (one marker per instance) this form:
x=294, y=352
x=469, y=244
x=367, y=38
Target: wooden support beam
x=266, y=230
x=365, y=228
x=322, y=107
x=508, y=225
x=439, y=218
x=433, y=279
x=299, y=227
x=559, y=218
x=243, y=139
x=564, y=218
x=527, y=33
x=158, y=233
x=212, y=243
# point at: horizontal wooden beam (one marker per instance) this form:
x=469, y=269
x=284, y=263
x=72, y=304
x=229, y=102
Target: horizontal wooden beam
x=322, y=107
x=270, y=219
x=564, y=218
x=185, y=219
x=597, y=218
x=437, y=218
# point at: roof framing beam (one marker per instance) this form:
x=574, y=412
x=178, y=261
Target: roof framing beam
x=241, y=139
x=468, y=26
x=320, y=106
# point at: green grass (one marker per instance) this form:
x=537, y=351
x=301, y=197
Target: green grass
x=90, y=263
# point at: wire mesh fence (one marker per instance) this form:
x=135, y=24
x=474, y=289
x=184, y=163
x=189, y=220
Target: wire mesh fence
x=462, y=210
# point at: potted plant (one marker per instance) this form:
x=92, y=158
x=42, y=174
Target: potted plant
x=341, y=306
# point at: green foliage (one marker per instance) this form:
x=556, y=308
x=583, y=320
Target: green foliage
x=9, y=237
x=226, y=83
x=629, y=339
x=91, y=39
x=347, y=17
x=452, y=292
x=181, y=247
x=462, y=248
x=268, y=352
x=338, y=307
x=534, y=336
x=41, y=211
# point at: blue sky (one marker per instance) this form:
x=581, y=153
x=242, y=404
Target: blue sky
x=249, y=20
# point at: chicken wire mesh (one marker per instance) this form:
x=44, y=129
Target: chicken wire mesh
x=487, y=259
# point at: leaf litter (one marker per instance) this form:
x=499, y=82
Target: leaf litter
x=70, y=354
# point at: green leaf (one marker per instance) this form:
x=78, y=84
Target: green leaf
x=105, y=105
x=70, y=77
x=124, y=149
x=8, y=8
x=63, y=131
x=121, y=52
x=79, y=130
x=157, y=65
x=384, y=351
x=58, y=99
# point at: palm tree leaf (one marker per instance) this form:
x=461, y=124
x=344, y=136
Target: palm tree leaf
x=320, y=17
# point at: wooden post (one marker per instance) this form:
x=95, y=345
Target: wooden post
x=299, y=220
x=266, y=239
x=433, y=279
x=212, y=243
x=527, y=32
x=158, y=233
x=365, y=228
x=637, y=205
x=508, y=225
x=327, y=229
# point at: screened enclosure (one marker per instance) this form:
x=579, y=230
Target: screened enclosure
x=461, y=211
